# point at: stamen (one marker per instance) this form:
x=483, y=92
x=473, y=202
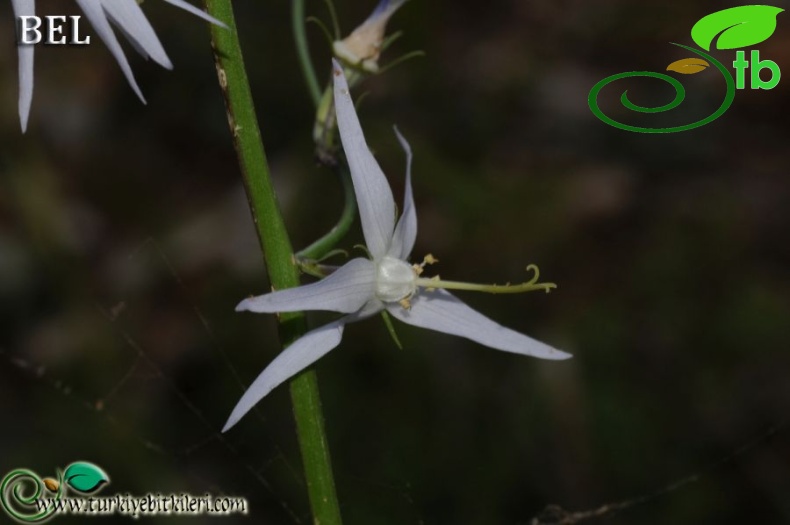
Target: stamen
x=529, y=286
x=428, y=259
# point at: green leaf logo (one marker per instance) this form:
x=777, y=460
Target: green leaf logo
x=85, y=477
x=742, y=26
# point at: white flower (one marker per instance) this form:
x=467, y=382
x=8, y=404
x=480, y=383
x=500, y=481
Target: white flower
x=127, y=15
x=363, y=46
x=364, y=287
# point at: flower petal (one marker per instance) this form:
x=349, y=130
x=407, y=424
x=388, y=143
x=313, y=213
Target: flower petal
x=302, y=353
x=25, y=53
x=346, y=291
x=374, y=196
x=128, y=15
x=385, y=8
x=98, y=18
x=186, y=6
x=406, y=229
x=441, y=311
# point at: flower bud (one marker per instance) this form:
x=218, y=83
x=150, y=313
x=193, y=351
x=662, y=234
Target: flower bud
x=363, y=46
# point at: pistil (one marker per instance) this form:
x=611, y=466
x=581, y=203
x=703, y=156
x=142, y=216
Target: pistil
x=529, y=286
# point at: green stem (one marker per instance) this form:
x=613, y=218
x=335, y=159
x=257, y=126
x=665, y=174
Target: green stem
x=278, y=256
x=324, y=137
x=302, y=50
x=322, y=246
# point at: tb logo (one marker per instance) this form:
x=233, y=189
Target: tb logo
x=741, y=65
x=734, y=28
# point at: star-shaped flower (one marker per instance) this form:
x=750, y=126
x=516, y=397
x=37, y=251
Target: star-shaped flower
x=363, y=287
x=130, y=19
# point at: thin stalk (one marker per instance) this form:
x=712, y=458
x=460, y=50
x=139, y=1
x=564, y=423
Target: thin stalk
x=324, y=137
x=323, y=245
x=303, y=52
x=278, y=255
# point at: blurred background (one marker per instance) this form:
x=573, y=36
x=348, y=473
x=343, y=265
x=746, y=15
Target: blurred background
x=126, y=242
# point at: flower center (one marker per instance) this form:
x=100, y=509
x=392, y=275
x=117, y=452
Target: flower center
x=396, y=280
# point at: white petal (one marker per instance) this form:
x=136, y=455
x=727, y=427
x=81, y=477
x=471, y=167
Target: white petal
x=98, y=18
x=25, y=53
x=374, y=196
x=129, y=38
x=346, y=291
x=128, y=15
x=406, y=230
x=302, y=353
x=377, y=21
x=186, y=6
x=441, y=311
x=385, y=8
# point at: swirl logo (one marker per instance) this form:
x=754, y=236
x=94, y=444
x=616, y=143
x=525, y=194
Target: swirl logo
x=22, y=490
x=732, y=28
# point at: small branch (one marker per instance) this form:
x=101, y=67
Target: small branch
x=303, y=51
x=326, y=243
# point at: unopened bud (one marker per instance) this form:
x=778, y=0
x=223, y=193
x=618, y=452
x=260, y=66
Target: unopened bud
x=363, y=46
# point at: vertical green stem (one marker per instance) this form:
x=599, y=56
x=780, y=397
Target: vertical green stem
x=302, y=50
x=278, y=255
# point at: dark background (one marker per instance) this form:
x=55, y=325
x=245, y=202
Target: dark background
x=125, y=243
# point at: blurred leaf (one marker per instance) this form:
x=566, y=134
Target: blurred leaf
x=85, y=477
x=51, y=484
x=688, y=66
x=739, y=27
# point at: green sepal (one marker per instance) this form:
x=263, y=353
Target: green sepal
x=391, y=328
